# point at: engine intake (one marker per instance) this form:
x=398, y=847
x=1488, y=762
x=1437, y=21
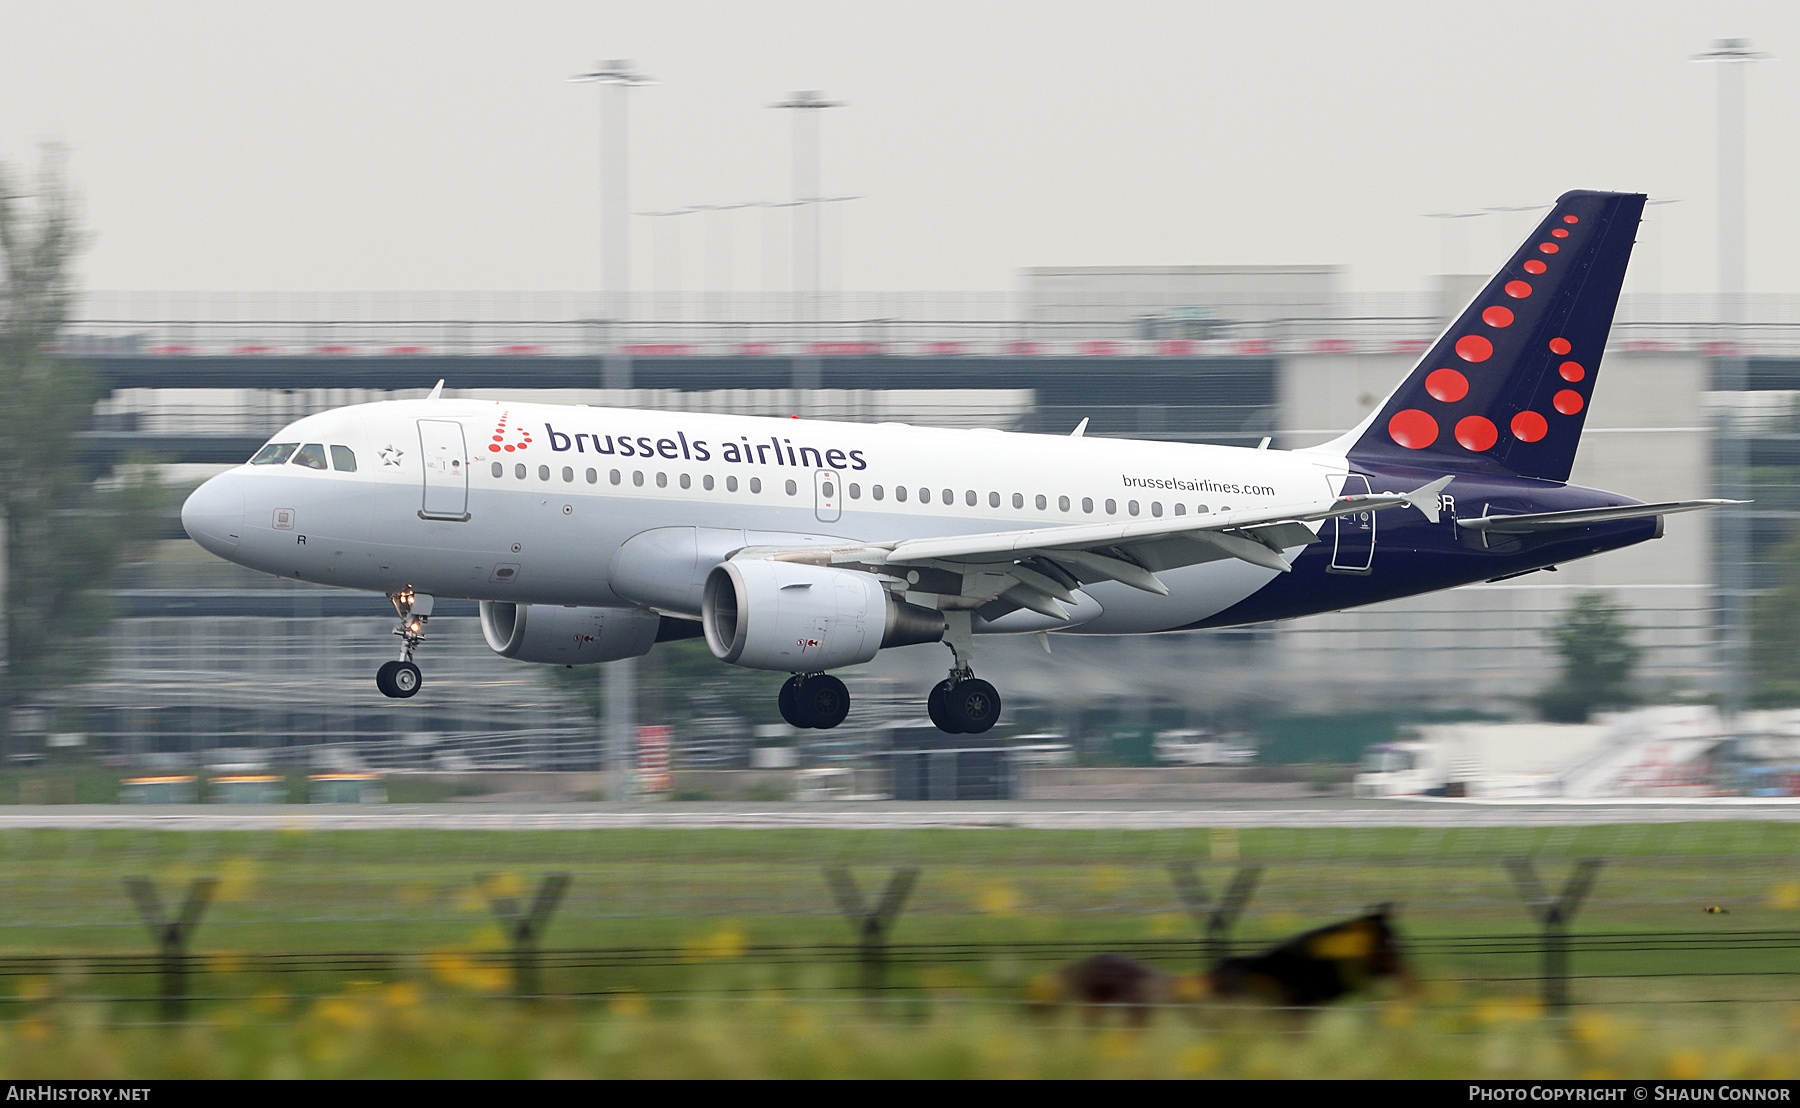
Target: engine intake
x=561, y=636
x=806, y=619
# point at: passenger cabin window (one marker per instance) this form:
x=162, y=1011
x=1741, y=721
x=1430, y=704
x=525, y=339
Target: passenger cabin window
x=568, y=473
x=1018, y=500
x=993, y=500
x=855, y=491
x=731, y=484
x=1087, y=503
x=792, y=488
x=519, y=471
x=592, y=477
x=543, y=473
x=756, y=484
x=706, y=482
x=899, y=493
x=1041, y=502
x=686, y=481
x=924, y=496
x=969, y=498
x=499, y=470
x=1181, y=509
x=274, y=454
x=312, y=456
x=876, y=492
x=1112, y=507
x=1062, y=503
x=343, y=459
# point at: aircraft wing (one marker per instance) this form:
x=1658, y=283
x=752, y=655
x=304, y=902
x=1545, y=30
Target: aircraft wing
x=1581, y=517
x=1038, y=568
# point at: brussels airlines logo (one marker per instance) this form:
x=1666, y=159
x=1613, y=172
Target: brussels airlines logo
x=502, y=432
x=805, y=644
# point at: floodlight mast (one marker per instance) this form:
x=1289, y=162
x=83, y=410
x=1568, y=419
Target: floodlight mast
x=1730, y=372
x=616, y=78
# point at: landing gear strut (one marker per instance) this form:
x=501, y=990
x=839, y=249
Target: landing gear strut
x=400, y=679
x=814, y=700
x=962, y=704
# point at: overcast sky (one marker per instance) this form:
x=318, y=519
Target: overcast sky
x=409, y=145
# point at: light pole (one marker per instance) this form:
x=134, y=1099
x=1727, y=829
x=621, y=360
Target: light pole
x=1731, y=56
x=615, y=78
x=806, y=107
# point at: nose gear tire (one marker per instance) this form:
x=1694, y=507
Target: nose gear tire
x=398, y=680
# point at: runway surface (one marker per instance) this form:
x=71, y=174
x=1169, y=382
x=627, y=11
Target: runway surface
x=1048, y=815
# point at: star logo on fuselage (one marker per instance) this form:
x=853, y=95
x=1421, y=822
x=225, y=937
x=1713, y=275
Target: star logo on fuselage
x=391, y=455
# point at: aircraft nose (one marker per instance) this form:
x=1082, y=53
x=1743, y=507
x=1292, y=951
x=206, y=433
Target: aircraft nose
x=214, y=515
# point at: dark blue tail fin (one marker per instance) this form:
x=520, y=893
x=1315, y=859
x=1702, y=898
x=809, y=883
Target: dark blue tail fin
x=1507, y=386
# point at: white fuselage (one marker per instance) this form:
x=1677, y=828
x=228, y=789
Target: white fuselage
x=532, y=503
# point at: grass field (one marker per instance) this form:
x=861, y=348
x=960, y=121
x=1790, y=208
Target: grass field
x=742, y=984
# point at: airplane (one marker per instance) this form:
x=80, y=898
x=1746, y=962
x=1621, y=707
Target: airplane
x=797, y=546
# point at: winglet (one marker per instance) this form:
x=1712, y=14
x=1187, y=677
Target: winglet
x=1080, y=428
x=437, y=390
x=1425, y=497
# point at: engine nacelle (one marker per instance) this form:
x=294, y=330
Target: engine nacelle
x=806, y=618
x=561, y=636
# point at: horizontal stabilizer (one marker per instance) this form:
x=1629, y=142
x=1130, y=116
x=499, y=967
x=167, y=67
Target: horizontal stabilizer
x=1581, y=517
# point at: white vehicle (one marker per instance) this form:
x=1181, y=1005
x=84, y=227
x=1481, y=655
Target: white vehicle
x=591, y=534
x=1197, y=748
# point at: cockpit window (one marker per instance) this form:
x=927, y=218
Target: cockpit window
x=274, y=454
x=343, y=459
x=312, y=456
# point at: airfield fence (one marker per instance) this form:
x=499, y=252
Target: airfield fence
x=1676, y=914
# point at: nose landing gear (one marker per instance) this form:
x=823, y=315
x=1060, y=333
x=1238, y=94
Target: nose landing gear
x=400, y=679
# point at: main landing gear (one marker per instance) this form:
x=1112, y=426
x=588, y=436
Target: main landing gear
x=400, y=679
x=962, y=704
x=814, y=700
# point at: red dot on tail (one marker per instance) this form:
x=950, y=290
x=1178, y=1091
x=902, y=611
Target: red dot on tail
x=1535, y=266
x=1571, y=219
x=1560, y=346
x=1529, y=426
x=1497, y=316
x=510, y=449
x=1447, y=385
x=1413, y=429
x=1568, y=401
x=1559, y=233
x=1474, y=348
x=1518, y=290
x=1476, y=432
x=1548, y=247
x=1571, y=371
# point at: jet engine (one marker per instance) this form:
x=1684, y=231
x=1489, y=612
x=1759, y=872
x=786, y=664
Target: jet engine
x=568, y=636
x=804, y=618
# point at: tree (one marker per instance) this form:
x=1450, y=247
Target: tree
x=64, y=535
x=1775, y=636
x=1594, y=639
